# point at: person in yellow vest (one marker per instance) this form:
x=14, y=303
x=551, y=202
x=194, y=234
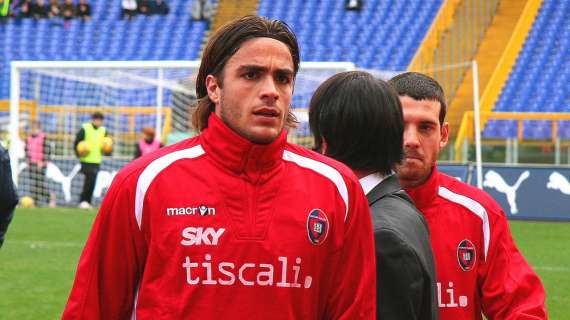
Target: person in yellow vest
x=88, y=147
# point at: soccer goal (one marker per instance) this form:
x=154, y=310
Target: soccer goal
x=62, y=95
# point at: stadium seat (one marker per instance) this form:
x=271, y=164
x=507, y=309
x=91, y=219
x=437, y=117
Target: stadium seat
x=328, y=32
x=539, y=80
x=105, y=37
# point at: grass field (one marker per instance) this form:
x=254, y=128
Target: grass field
x=39, y=257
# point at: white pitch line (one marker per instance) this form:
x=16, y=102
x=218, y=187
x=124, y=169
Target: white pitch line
x=48, y=244
x=552, y=268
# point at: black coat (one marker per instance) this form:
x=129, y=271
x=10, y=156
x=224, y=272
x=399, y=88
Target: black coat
x=8, y=195
x=405, y=269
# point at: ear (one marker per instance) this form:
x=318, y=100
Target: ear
x=213, y=89
x=444, y=135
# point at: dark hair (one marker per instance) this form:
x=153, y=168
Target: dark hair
x=97, y=115
x=419, y=86
x=360, y=119
x=224, y=44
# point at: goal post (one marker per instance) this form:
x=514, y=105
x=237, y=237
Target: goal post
x=62, y=95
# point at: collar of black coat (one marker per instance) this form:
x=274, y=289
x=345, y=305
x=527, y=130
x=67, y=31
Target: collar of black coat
x=389, y=185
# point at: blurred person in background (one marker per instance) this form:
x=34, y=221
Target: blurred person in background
x=23, y=9
x=83, y=10
x=68, y=10
x=201, y=10
x=129, y=9
x=159, y=7
x=148, y=143
x=357, y=120
x=8, y=194
x=38, y=152
x=40, y=10
x=54, y=9
x=479, y=268
x=143, y=7
x=92, y=134
x=354, y=5
x=4, y=9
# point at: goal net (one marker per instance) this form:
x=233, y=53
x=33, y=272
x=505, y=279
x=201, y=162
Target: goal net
x=61, y=96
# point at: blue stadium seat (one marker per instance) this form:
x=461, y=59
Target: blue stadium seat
x=105, y=37
x=327, y=32
x=539, y=80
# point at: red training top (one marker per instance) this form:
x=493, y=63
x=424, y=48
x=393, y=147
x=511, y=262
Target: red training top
x=216, y=227
x=478, y=266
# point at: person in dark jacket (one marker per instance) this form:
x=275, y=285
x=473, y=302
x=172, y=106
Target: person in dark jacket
x=358, y=120
x=8, y=194
x=159, y=7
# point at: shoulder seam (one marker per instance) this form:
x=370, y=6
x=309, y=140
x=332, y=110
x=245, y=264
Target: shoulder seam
x=154, y=168
x=324, y=170
x=472, y=206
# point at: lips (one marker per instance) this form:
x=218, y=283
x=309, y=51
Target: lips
x=413, y=156
x=267, y=112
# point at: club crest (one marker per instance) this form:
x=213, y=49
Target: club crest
x=317, y=226
x=466, y=255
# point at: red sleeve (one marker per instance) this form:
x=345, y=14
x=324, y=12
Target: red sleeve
x=112, y=261
x=510, y=288
x=353, y=294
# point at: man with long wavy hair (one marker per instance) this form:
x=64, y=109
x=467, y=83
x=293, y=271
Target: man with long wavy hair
x=235, y=223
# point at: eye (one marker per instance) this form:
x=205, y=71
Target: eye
x=427, y=128
x=283, y=78
x=250, y=75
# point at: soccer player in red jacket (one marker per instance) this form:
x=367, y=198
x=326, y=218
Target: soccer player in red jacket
x=235, y=223
x=478, y=266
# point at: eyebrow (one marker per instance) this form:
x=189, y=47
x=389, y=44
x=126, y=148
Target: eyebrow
x=435, y=123
x=251, y=67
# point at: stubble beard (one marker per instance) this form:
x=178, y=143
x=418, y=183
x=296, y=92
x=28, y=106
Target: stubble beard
x=231, y=116
x=413, y=176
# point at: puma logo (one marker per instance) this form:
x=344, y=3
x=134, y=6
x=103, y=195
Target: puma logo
x=55, y=174
x=494, y=181
x=103, y=182
x=557, y=181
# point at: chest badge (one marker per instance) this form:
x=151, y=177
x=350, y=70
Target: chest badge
x=466, y=255
x=317, y=226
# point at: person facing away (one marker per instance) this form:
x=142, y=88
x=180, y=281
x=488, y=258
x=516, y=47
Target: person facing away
x=357, y=120
x=38, y=151
x=92, y=133
x=147, y=143
x=8, y=194
x=479, y=268
x=235, y=222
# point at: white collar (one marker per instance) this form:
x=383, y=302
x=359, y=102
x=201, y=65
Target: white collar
x=372, y=180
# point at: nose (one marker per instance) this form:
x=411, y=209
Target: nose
x=269, y=91
x=411, y=139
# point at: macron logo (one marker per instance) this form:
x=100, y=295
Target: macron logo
x=202, y=210
x=197, y=236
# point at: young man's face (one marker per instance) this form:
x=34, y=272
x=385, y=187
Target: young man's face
x=256, y=92
x=97, y=122
x=424, y=137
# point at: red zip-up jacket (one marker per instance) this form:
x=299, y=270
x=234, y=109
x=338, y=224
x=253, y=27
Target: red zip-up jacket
x=479, y=268
x=216, y=227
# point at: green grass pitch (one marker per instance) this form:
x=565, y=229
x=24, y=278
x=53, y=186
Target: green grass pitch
x=39, y=257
